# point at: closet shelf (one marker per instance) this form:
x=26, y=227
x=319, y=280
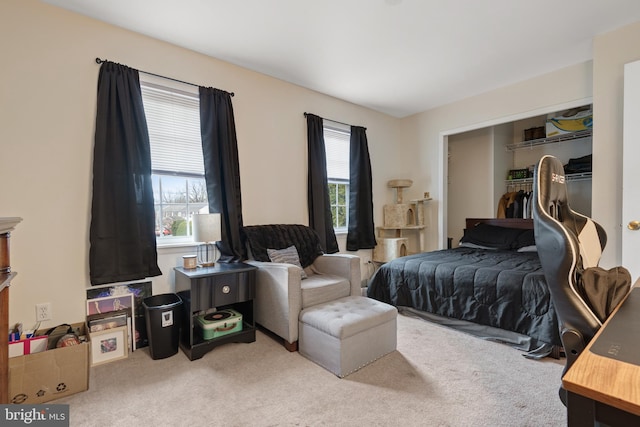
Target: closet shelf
x=584, y=176
x=551, y=140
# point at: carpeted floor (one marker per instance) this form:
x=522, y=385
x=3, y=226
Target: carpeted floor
x=436, y=377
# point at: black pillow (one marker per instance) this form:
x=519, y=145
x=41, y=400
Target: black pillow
x=492, y=236
x=526, y=238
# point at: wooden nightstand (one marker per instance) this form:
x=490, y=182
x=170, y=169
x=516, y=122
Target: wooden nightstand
x=221, y=286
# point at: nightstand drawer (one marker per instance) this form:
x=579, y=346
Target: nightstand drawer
x=219, y=290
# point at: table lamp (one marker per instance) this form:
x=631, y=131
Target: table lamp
x=206, y=230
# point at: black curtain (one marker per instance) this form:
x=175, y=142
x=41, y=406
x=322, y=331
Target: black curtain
x=320, y=218
x=361, y=234
x=222, y=169
x=122, y=232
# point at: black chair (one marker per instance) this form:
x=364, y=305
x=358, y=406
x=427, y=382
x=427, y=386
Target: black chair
x=568, y=243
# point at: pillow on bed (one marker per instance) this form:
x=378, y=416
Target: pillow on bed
x=485, y=236
x=525, y=239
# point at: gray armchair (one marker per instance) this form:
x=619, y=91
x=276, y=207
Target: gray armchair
x=281, y=290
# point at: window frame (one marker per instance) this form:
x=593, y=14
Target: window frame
x=336, y=206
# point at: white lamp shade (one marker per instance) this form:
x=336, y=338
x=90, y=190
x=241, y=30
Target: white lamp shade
x=206, y=227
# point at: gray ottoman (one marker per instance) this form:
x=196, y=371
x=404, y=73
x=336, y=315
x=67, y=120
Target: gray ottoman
x=344, y=335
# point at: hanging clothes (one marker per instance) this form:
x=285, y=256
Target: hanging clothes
x=515, y=204
x=505, y=205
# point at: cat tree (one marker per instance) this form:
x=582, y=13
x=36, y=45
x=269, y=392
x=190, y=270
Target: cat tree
x=398, y=218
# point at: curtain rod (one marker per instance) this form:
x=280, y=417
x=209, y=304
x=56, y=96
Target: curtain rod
x=100, y=61
x=335, y=121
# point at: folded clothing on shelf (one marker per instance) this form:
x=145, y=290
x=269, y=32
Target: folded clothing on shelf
x=579, y=165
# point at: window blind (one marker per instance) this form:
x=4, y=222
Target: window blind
x=337, y=150
x=173, y=119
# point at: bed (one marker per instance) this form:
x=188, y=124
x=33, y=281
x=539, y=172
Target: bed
x=491, y=286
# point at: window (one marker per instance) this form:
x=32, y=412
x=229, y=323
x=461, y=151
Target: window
x=336, y=140
x=179, y=189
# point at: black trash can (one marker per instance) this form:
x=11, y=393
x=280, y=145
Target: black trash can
x=162, y=314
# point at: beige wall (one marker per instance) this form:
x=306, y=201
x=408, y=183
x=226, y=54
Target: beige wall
x=48, y=85
x=600, y=80
x=528, y=98
x=49, y=79
x=470, y=155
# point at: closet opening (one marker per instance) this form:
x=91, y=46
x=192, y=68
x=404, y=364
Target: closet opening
x=484, y=163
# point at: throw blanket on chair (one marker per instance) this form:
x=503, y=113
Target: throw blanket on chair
x=259, y=238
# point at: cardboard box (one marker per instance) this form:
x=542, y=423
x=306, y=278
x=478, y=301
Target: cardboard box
x=569, y=124
x=52, y=374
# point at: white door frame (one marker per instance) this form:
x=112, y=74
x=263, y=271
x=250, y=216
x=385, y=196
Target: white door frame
x=444, y=149
x=630, y=134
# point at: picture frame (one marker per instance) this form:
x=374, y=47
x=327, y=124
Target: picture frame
x=109, y=345
x=140, y=291
x=101, y=305
x=110, y=303
x=109, y=320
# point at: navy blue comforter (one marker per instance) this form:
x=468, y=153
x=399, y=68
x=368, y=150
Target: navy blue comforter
x=503, y=289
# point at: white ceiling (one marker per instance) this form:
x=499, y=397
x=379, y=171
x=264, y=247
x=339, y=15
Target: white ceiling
x=399, y=57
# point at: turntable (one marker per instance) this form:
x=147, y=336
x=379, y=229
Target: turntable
x=219, y=323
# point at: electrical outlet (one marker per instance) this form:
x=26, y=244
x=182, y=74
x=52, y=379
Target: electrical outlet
x=43, y=312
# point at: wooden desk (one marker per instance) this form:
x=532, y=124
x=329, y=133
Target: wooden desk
x=603, y=389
